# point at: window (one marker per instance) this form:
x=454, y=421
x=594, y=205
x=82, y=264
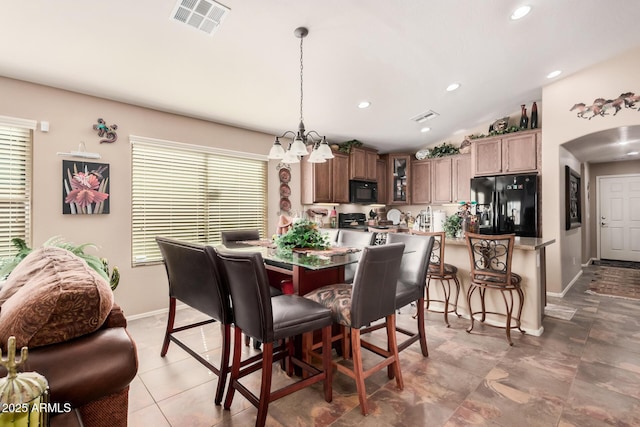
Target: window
x=15, y=182
x=192, y=193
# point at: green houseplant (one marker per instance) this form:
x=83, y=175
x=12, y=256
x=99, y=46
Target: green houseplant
x=452, y=225
x=101, y=265
x=303, y=234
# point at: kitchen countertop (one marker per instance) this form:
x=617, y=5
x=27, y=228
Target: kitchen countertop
x=522, y=243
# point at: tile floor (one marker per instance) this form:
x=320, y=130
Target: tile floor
x=581, y=372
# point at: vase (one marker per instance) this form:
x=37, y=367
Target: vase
x=534, y=116
x=524, y=120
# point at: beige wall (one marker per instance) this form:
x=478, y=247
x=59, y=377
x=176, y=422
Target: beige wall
x=71, y=117
x=605, y=80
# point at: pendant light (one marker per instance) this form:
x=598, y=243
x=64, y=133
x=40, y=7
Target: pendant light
x=298, y=147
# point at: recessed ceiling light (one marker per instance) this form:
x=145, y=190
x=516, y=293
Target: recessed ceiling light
x=452, y=87
x=553, y=74
x=423, y=130
x=520, y=12
x=632, y=153
x=364, y=104
x=623, y=142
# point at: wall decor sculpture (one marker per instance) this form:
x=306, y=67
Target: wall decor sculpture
x=284, y=173
x=85, y=187
x=107, y=132
x=601, y=106
x=573, y=198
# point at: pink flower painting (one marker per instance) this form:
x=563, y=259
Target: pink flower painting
x=85, y=188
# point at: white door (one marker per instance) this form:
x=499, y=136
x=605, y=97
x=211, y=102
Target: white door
x=619, y=217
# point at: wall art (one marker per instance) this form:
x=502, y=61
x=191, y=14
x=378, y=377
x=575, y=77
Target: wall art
x=85, y=188
x=573, y=198
x=601, y=106
x=107, y=132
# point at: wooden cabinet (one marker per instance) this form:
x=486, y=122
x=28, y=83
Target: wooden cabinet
x=381, y=174
x=363, y=164
x=512, y=153
x=441, y=180
x=399, y=174
x=325, y=182
x=461, y=177
x=421, y=181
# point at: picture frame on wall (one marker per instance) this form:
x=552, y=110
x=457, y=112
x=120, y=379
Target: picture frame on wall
x=573, y=198
x=85, y=188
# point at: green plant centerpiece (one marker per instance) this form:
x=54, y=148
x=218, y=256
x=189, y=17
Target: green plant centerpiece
x=303, y=234
x=101, y=265
x=452, y=225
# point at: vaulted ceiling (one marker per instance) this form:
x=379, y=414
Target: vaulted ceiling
x=400, y=56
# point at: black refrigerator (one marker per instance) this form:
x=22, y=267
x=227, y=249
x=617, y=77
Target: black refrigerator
x=507, y=204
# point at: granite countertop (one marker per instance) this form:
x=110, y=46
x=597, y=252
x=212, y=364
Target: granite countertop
x=522, y=243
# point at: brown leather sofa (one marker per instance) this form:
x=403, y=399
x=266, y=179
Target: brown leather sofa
x=89, y=374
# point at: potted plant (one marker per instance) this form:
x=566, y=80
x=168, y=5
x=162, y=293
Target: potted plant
x=452, y=225
x=303, y=234
x=101, y=265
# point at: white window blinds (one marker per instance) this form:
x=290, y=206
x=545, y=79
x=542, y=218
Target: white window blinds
x=192, y=193
x=15, y=182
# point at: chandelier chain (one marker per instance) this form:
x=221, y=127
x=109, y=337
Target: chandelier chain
x=301, y=70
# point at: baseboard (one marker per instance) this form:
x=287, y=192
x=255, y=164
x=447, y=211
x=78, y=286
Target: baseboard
x=155, y=312
x=495, y=322
x=565, y=290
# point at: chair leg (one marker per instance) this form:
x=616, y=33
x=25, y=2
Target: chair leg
x=393, y=347
x=446, y=291
x=358, y=370
x=224, y=361
x=346, y=348
x=521, y=296
x=326, y=363
x=421, y=331
x=509, y=308
x=265, y=387
x=235, y=367
x=170, y=321
x=457, y=282
x=471, y=318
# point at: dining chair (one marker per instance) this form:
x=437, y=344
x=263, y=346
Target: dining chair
x=411, y=285
x=230, y=237
x=353, y=239
x=372, y=297
x=490, y=257
x=445, y=274
x=194, y=281
x=270, y=320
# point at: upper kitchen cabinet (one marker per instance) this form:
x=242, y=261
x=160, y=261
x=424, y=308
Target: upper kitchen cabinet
x=381, y=175
x=325, y=182
x=362, y=164
x=441, y=180
x=399, y=173
x=421, y=181
x=512, y=153
x=461, y=177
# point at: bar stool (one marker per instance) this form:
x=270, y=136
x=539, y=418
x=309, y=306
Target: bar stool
x=445, y=274
x=491, y=258
x=353, y=239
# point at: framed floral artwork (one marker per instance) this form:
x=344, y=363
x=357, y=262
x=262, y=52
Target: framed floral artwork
x=85, y=188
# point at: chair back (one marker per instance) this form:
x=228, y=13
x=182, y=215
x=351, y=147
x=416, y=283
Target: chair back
x=415, y=261
x=194, y=278
x=436, y=260
x=246, y=277
x=332, y=234
x=374, y=286
x=490, y=257
x=230, y=236
x=354, y=239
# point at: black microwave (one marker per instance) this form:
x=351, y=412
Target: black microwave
x=363, y=192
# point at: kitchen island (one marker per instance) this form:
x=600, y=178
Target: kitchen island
x=529, y=261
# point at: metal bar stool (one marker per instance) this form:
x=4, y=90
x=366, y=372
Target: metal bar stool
x=491, y=258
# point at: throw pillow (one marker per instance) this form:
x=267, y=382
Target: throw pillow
x=52, y=296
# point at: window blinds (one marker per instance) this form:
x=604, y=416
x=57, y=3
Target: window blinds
x=192, y=193
x=15, y=184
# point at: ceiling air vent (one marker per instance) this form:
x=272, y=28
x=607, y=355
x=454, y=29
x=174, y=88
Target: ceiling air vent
x=204, y=15
x=423, y=117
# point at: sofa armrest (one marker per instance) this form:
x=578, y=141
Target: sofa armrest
x=87, y=368
x=115, y=318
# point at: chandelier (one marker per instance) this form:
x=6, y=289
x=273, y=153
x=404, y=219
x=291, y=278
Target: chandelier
x=298, y=147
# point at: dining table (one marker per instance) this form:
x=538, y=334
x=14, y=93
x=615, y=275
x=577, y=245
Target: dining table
x=308, y=269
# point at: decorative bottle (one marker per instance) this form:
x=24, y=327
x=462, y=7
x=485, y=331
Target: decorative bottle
x=534, y=115
x=333, y=218
x=524, y=120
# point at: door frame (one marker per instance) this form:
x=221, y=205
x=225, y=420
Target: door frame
x=597, y=218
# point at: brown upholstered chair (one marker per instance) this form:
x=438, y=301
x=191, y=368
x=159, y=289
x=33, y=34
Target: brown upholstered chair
x=353, y=239
x=194, y=280
x=230, y=236
x=372, y=297
x=490, y=258
x=411, y=284
x=445, y=274
x=270, y=319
